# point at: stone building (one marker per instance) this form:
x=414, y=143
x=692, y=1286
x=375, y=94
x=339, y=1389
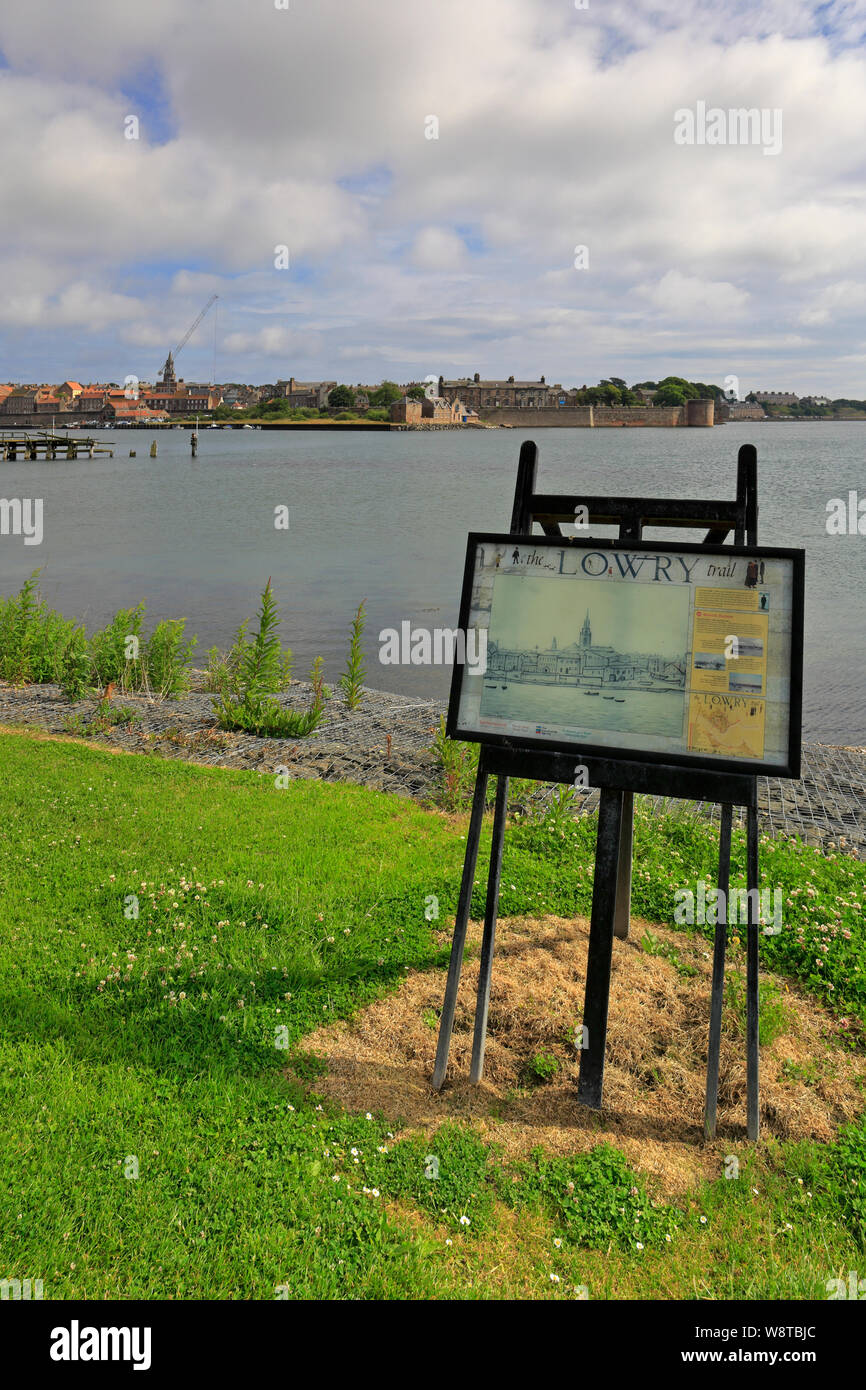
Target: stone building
x=435, y=410
x=739, y=410
x=310, y=395
x=524, y=395
x=775, y=397
x=406, y=412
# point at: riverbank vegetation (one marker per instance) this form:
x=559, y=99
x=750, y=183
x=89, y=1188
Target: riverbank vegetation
x=173, y=935
x=38, y=645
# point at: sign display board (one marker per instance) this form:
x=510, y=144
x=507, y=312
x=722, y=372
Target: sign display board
x=682, y=654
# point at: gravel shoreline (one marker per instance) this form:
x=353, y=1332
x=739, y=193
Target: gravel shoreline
x=386, y=745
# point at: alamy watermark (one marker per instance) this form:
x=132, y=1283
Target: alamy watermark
x=711, y=906
x=438, y=646
x=739, y=125
x=22, y=516
x=846, y=518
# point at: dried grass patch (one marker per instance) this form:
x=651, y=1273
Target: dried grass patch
x=656, y=1055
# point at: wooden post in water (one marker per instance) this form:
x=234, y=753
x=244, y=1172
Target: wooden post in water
x=153, y=450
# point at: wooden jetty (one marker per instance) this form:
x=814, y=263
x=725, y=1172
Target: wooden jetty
x=42, y=444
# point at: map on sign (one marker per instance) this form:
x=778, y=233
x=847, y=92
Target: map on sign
x=689, y=652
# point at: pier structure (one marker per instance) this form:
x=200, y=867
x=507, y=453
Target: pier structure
x=46, y=445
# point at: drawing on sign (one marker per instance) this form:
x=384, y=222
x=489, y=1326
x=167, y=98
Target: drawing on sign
x=625, y=668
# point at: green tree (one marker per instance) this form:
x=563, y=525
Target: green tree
x=416, y=393
x=669, y=395
x=690, y=392
x=341, y=397
x=386, y=394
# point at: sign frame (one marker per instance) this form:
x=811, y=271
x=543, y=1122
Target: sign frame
x=789, y=768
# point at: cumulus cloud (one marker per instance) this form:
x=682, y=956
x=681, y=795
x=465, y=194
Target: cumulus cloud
x=688, y=296
x=437, y=248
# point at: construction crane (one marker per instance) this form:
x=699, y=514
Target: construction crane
x=168, y=369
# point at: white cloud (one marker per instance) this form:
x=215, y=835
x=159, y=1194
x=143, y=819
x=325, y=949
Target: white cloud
x=306, y=128
x=681, y=296
x=437, y=248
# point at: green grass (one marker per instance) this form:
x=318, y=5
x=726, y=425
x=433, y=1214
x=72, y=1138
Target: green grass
x=170, y=934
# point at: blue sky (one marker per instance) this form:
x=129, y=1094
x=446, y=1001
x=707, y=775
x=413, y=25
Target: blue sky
x=309, y=128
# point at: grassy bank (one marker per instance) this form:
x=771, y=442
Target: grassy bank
x=170, y=935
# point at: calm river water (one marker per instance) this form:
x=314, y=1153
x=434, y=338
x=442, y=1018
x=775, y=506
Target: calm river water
x=383, y=517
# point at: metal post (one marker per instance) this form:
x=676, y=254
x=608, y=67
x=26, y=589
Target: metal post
x=752, y=1113
x=717, y=993
x=630, y=529
x=455, y=964
x=600, y=953
x=488, y=940
x=622, y=913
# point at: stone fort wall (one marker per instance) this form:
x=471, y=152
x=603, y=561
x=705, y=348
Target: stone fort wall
x=698, y=413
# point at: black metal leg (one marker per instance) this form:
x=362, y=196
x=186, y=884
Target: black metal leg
x=716, y=997
x=455, y=964
x=488, y=941
x=622, y=917
x=752, y=1122
x=598, y=962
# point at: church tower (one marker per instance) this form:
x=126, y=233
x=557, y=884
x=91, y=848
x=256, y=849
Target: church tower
x=168, y=376
x=586, y=632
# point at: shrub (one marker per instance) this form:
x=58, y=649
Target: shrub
x=167, y=657
x=260, y=668
x=38, y=644
x=352, y=680
x=33, y=637
x=111, y=650
x=543, y=1067
x=74, y=676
